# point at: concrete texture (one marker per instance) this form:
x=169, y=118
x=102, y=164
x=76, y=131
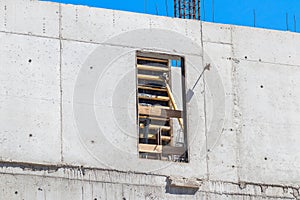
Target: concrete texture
x=68, y=117
x=18, y=16
x=30, y=99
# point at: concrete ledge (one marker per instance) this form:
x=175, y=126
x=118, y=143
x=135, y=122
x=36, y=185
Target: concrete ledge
x=31, y=179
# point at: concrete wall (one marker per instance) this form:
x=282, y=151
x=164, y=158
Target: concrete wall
x=68, y=117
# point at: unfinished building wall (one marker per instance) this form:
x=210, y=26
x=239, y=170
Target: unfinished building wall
x=68, y=106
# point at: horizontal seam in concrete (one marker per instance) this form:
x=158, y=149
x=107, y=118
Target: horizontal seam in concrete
x=83, y=180
x=91, y=42
x=256, y=61
x=256, y=184
x=249, y=195
x=250, y=119
x=45, y=167
x=29, y=34
x=127, y=46
x=214, y=42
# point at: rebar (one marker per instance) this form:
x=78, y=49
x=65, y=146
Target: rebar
x=187, y=9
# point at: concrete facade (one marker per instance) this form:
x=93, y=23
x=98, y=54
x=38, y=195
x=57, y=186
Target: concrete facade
x=68, y=106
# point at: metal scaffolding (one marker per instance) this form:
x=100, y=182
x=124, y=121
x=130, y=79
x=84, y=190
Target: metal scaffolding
x=187, y=9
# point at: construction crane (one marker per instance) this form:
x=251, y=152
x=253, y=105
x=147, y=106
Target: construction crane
x=187, y=9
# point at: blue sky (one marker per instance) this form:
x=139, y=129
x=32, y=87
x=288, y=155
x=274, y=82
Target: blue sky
x=270, y=14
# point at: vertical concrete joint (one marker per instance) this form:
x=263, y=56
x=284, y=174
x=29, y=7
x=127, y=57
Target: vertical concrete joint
x=236, y=104
x=60, y=80
x=204, y=105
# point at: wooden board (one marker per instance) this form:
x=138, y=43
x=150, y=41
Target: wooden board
x=152, y=126
x=150, y=148
x=155, y=98
x=154, y=118
x=149, y=77
x=153, y=136
x=153, y=88
x=152, y=68
x=157, y=106
x=159, y=112
x=152, y=59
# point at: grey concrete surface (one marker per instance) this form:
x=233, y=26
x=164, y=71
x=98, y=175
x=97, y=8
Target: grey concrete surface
x=68, y=110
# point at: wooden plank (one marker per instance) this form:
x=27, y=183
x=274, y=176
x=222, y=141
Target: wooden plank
x=149, y=77
x=152, y=126
x=149, y=110
x=152, y=59
x=159, y=112
x=152, y=88
x=154, y=118
x=153, y=68
x=150, y=148
x=153, y=136
x=162, y=107
x=158, y=106
x=155, y=98
x=158, y=55
x=165, y=138
x=173, y=150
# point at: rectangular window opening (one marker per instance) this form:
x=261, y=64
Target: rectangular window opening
x=161, y=107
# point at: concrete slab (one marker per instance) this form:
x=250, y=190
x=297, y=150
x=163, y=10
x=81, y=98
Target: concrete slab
x=30, y=130
x=96, y=24
x=30, y=99
x=109, y=124
x=249, y=103
x=270, y=122
x=82, y=23
x=76, y=57
x=29, y=67
x=43, y=187
x=195, y=114
x=189, y=28
x=161, y=40
x=268, y=46
x=221, y=136
x=217, y=33
x=30, y=17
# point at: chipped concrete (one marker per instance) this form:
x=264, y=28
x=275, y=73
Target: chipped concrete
x=67, y=107
x=113, y=184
